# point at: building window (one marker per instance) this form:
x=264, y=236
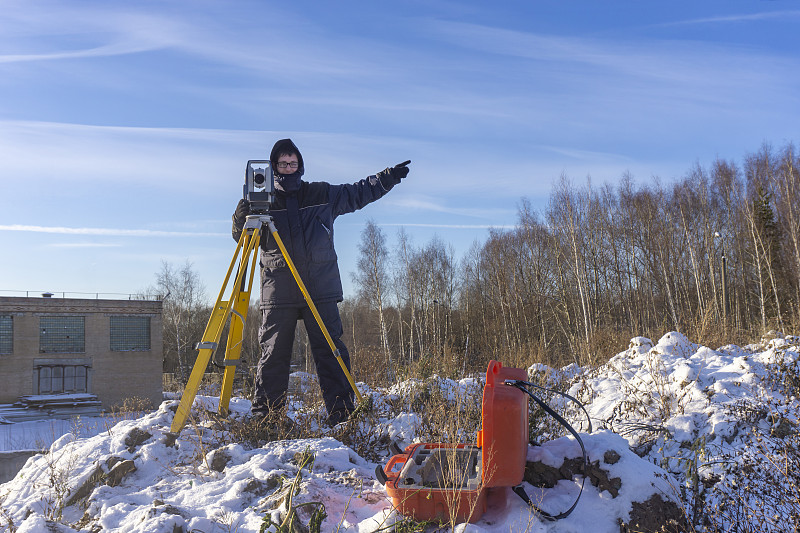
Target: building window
x=6, y=334
x=130, y=333
x=62, y=379
x=61, y=334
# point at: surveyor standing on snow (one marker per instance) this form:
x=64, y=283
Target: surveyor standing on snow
x=303, y=213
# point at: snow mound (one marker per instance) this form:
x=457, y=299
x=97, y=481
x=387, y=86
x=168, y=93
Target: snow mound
x=183, y=486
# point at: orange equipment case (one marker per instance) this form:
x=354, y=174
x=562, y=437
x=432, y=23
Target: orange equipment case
x=436, y=481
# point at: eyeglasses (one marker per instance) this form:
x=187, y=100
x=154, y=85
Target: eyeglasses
x=283, y=164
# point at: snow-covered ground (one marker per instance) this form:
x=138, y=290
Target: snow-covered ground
x=40, y=434
x=673, y=420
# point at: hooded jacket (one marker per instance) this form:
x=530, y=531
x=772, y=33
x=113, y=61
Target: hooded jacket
x=303, y=214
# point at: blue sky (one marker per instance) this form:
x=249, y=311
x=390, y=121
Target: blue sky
x=125, y=127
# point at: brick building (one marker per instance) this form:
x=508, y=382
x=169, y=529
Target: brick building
x=110, y=348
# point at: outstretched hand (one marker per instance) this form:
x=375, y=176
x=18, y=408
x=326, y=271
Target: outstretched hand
x=393, y=175
x=400, y=170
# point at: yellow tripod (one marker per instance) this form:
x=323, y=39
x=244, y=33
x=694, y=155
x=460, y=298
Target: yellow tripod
x=236, y=307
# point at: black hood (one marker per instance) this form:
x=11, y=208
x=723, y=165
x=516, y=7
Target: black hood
x=285, y=146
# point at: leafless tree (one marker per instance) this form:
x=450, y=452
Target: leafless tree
x=785, y=187
x=405, y=294
x=185, y=314
x=373, y=280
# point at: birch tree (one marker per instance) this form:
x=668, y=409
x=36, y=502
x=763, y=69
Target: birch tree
x=372, y=279
x=184, y=314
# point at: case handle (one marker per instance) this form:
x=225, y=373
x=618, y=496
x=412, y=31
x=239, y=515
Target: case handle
x=395, y=448
x=380, y=475
x=385, y=473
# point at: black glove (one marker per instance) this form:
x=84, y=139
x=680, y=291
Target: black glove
x=242, y=210
x=400, y=170
x=240, y=217
x=394, y=174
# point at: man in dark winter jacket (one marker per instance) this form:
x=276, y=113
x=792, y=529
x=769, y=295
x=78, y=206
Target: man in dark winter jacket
x=303, y=213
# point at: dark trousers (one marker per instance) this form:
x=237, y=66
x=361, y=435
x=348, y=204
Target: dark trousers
x=276, y=337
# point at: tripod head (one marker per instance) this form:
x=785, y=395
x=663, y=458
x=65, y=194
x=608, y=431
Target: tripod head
x=259, y=188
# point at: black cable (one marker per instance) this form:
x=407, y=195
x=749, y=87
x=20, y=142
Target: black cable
x=519, y=489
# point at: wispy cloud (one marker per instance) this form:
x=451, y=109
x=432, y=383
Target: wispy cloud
x=356, y=71
x=84, y=245
x=587, y=155
x=673, y=62
x=75, y=32
x=451, y=226
x=112, y=29
x=748, y=17
x=436, y=205
x=107, y=232
x=453, y=102
x=167, y=157
x=112, y=49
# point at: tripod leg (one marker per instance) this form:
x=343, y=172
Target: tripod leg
x=233, y=349
x=219, y=315
x=200, y=364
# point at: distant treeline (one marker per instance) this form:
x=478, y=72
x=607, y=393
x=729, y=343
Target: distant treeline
x=715, y=255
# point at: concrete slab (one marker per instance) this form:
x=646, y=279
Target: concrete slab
x=12, y=462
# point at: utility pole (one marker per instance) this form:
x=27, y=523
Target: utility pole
x=724, y=281
x=724, y=286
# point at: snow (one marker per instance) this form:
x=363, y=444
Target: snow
x=657, y=406
x=77, y=397
x=40, y=434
